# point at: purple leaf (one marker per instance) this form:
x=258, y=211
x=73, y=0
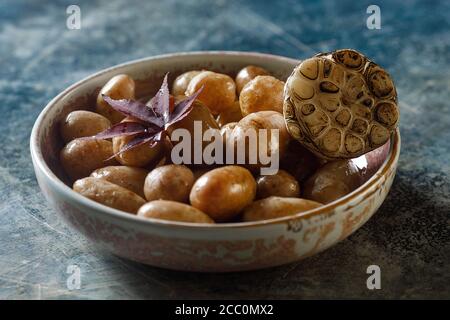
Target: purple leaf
x=160, y=102
x=135, y=109
x=120, y=129
x=182, y=108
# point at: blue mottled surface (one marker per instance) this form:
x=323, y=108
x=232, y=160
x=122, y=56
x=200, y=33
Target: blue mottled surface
x=408, y=237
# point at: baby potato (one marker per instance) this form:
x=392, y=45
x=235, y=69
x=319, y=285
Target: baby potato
x=223, y=192
x=109, y=194
x=276, y=207
x=281, y=184
x=336, y=179
x=227, y=129
x=232, y=114
x=82, y=123
x=262, y=93
x=181, y=83
x=131, y=178
x=253, y=123
x=247, y=74
x=173, y=211
x=299, y=161
x=170, y=182
x=80, y=157
x=219, y=90
x=140, y=156
x=121, y=86
x=200, y=113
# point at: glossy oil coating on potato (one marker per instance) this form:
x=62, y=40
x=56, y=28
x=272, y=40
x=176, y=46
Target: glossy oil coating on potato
x=80, y=157
x=336, y=179
x=247, y=74
x=281, y=184
x=169, y=182
x=261, y=94
x=81, y=123
x=232, y=114
x=181, y=83
x=219, y=90
x=119, y=87
x=276, y=207
x=333, y=180
x=131, y=178
x=174, y=211
x=109, y=194
x=223, y=192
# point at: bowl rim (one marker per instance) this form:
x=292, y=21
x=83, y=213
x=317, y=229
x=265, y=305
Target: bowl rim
x=40, y=163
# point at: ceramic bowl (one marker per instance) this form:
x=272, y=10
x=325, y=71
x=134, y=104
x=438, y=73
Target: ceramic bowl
x=186, y=246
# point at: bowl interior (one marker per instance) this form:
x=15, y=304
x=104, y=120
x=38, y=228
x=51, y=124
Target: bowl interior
x=148, y=74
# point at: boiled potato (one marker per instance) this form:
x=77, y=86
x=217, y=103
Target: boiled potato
x=109, y=194
x=169, y=182
x=232, y=114
x=174, y=211
x=276, y=207
x=247, y=74
x=223, y=192
x=299, y=161
x=219, y=90
x=261, y=94
x=182, y=81
x=80, y=157
x=131, y=178
x=203, y=116
x=121, y=86
x=81, y=123
x=336, y=179
x=281, y=184
x=140, y=156
x=269, y=120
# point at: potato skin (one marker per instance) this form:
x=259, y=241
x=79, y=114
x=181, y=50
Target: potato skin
x=109, y=194
x=169, y=182
x=81, y=123
x=276, y=207
x=140, y=156
x=80, y=157
x=260, y=120
x=181, y=83
x=174, y=211
x=281, y=184
x=219, y=90
x=247, y=74
x=131, y=178
x=261, y=94
x=232, y=114
x=223, y=192
x=121, y=86
x=201, y=113
x=299, y=161
x=336, y=179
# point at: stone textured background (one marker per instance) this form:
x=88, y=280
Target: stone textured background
x=408, y=237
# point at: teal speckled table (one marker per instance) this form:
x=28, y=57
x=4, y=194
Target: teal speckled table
x=408, y=237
